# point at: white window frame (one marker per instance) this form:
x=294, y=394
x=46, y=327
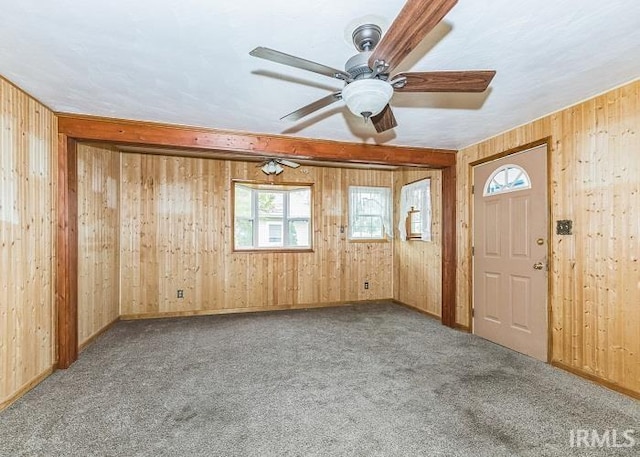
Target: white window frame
x=354, y=193
x=286, y=190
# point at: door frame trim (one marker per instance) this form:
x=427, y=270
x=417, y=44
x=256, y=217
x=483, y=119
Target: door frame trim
x=550, y=266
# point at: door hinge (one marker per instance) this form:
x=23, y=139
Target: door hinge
x=473, y=312
x=473, y=190
x=473, y=250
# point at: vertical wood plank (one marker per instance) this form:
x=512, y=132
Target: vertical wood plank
x=98, y=239
x=28, y=143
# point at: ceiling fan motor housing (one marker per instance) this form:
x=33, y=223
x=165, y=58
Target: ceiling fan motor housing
x=358, y=66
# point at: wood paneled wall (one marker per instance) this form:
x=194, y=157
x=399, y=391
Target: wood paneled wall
x=595, y=280
x=417, y=264
x=98, y=239
x=176, y=234
x=28, y=138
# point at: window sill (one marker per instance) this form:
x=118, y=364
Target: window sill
x=372, y=240
x=271, y=250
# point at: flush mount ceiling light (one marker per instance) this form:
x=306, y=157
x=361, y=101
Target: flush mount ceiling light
x=272, y=168
x=367, y=97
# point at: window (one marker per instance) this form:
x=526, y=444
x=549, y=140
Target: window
x=507, y=178
x=415, y=211
x=269, y=216
x=369, y=213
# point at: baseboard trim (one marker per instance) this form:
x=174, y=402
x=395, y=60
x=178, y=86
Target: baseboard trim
x=462, y=328
x=596, y=379
x=27, y=387
x=415, y=308
x=96, y=335
x=213, y=312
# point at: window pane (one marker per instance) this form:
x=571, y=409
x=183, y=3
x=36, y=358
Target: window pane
x=270, y=204
x=299, y=233
x=414, y=198
x=370, y=203
x=367, y=227
x=300, y=204
x=416, y=223
x=507, y=178
x=270, y=233
x=243, y=207
x=244, y=233
x=275, y=233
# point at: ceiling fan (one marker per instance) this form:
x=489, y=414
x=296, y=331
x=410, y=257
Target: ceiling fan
x=367, y=76
x=273, y=166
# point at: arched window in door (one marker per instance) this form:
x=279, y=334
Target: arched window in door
x=507, y=178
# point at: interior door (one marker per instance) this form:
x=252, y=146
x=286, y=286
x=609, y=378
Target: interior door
x=510, y=284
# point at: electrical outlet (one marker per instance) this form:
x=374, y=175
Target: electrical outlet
x=180, y=293
x=366, y=284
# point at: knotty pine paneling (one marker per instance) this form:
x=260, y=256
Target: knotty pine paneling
x=98, y=239
x=417, y=264
x=176, y=234
x=595, y=280
x=28, y=139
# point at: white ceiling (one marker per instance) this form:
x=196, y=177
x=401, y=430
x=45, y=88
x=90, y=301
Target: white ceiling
x=187, y=62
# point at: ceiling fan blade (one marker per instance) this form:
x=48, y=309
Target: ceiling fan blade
x=415, y=20
x=446, y=81
x=385, y=120
x=298, y=62
x=311, y=107
x=288, y=163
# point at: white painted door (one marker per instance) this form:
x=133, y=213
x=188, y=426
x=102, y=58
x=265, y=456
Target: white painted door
x=510, y=232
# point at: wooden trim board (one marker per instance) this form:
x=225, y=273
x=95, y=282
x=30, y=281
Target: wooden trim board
x=415, y=308
x=596, y=379
x=214, y=312
x=67, y=253
x=97, y=335
x=449, y=262
x=27, y=387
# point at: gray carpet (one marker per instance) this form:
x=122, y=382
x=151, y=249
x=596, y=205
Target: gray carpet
x=362, y=380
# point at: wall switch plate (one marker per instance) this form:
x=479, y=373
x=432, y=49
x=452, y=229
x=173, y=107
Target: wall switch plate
x=180, y=293
x=564, y=227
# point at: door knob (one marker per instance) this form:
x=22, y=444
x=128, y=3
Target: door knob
x=538, y=266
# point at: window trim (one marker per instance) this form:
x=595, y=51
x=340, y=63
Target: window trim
x=266, y=185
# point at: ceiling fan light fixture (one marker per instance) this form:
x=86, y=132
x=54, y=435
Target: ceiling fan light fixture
x=367, y=97
x=272, y=168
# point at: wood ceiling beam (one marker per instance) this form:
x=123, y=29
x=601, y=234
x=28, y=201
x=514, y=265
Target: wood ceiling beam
x=86, y=128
